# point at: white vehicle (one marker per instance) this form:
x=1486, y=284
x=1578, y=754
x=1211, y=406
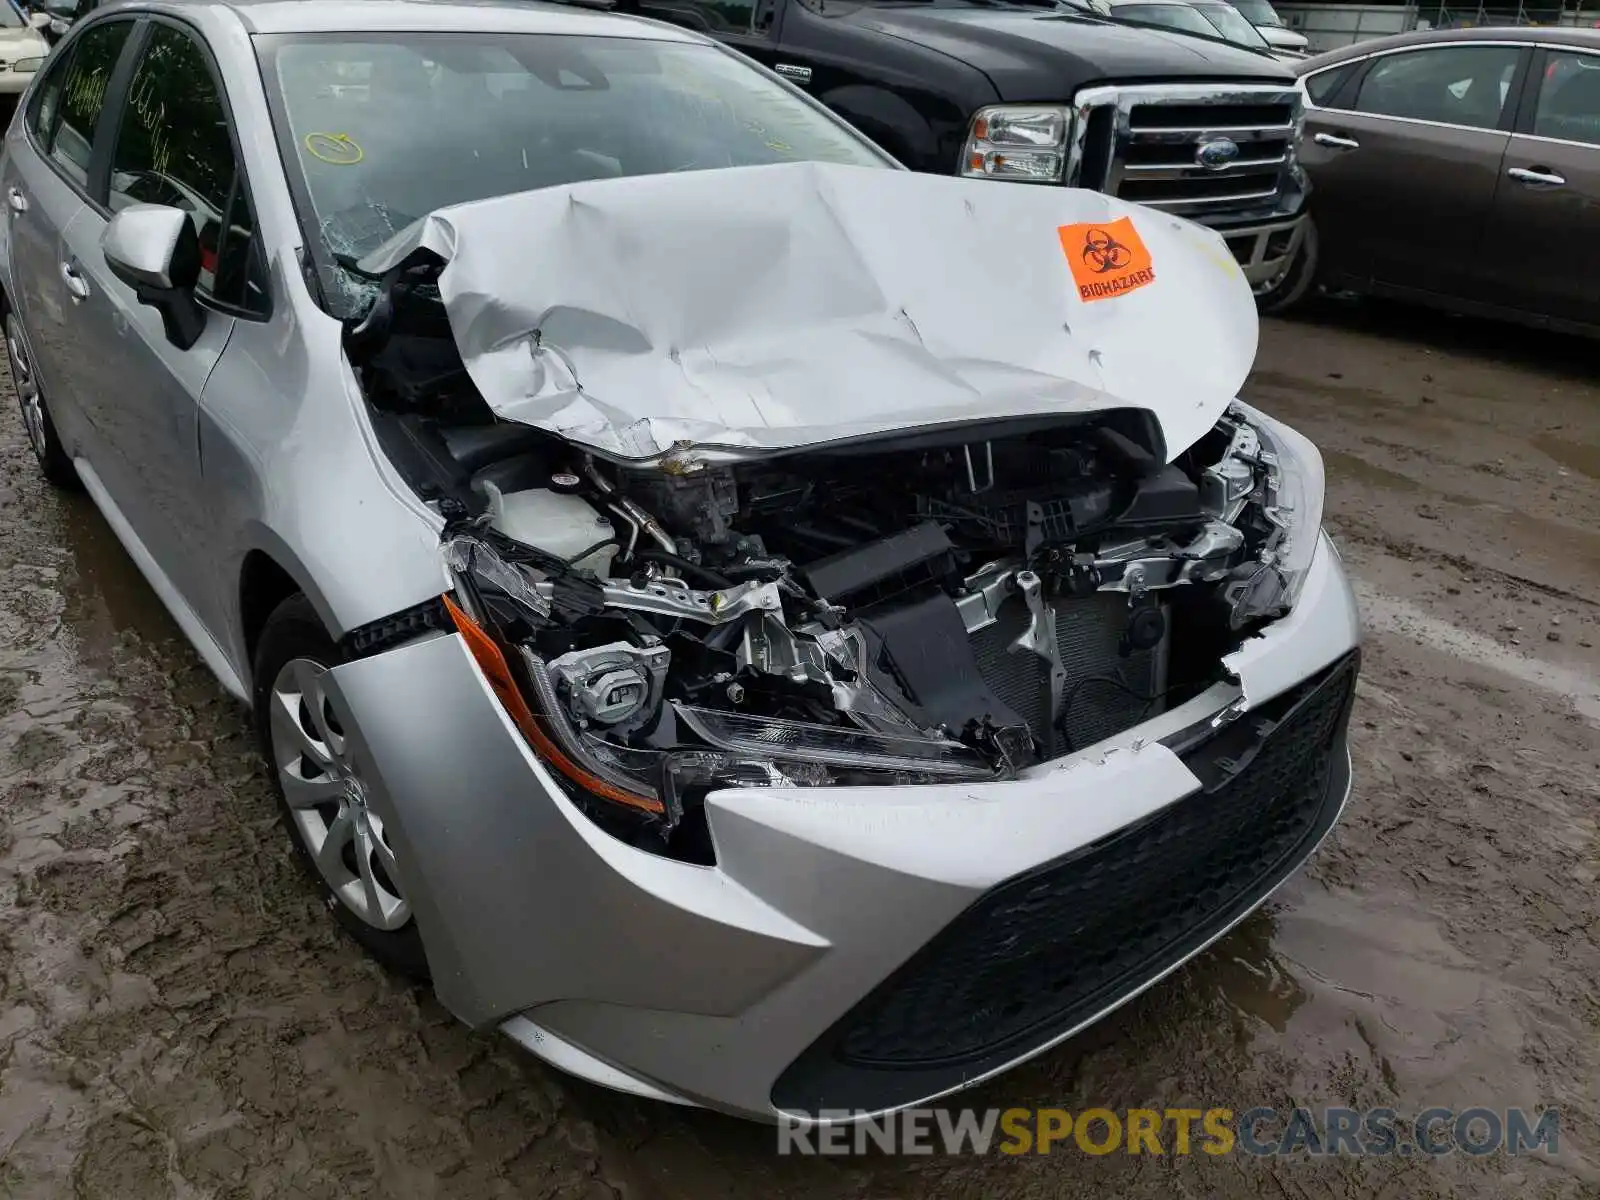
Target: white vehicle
x=1284, y=41
x=763, y=628
x=1202, y=18
x=22, y=49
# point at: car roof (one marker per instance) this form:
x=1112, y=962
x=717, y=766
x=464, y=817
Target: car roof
x=1564, y=35
x=421, y=16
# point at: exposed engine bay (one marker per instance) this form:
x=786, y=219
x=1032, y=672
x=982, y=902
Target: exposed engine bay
x=930, y=606
x=935, y=603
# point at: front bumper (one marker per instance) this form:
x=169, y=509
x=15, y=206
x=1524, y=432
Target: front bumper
x=1265, y=251
x=854, y=949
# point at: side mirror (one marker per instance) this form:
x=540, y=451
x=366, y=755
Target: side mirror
x=39, y=20
x=153, y=249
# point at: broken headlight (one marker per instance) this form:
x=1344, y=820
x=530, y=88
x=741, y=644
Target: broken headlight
x=1291, y=496
x=578, y=712
x=1025, y=143
x=745, y=751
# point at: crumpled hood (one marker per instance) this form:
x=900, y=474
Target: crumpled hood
x=774, y=307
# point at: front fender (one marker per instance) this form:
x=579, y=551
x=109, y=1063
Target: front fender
x=892, y=122
x=293, y=471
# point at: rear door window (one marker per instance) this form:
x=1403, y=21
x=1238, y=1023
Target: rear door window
x=1569, y=98
x=1452, y=85
x=75, y=110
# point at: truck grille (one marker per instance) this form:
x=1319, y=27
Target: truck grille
x=1147, y=144
x=1050, y=950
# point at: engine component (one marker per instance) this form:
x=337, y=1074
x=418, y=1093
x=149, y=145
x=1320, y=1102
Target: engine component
x=1001, y=518
x=880, y=569
x=1147, y=625
x=632, y=515
x=1040, y=638
x=922, y=652
x=934, y=611
x=697, y=504
x=674, y=598
x=1105, y=692
x=1165, y=499
x=616, y=685
x=563, y=525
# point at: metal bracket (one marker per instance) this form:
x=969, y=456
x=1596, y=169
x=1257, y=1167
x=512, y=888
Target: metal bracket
x=1040, y=639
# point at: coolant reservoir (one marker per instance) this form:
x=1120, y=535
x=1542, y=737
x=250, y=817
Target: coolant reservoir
x=555, y=523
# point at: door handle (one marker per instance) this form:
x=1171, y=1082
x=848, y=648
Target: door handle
x=77, y=285
x=1335, y=141
x=1537, y=177
x=18, y=202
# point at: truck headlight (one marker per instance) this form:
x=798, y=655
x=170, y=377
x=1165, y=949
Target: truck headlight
x=1026, y=143
x=26, y=66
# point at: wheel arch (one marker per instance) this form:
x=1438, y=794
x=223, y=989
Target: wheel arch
x=891, y=121
x=263, y=585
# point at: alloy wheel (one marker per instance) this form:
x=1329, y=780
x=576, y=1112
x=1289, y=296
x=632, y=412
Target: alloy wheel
x=27, y=386
x=314, y=755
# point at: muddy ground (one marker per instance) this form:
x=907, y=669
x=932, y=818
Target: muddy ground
x=177, y=1019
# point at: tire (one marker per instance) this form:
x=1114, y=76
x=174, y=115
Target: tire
x=54, y=461
x=1296, y=283
x=309, y=755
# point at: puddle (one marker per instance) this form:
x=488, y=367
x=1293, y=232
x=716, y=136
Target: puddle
x=1580, y=456
x=1384, y=614
x=1553, y=536
x=1348, y=467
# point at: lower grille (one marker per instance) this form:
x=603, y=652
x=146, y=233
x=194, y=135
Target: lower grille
x=1050, y=950
x=1105, y=692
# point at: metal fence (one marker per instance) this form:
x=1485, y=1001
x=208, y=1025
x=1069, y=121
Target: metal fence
x=1327, y=26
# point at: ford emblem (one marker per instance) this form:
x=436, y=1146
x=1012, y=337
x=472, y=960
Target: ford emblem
x=1217, y=153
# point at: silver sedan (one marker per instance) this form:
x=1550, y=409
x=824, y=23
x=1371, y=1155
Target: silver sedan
x=763, y=628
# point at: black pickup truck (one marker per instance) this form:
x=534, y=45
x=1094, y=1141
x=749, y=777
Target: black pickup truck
x=1046, y=93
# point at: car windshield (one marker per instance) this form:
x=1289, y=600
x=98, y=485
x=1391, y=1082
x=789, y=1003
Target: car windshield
x=1259, y=13
x=10, y=18
x=1170, y=16
x=1231, y=25
x=386, y=128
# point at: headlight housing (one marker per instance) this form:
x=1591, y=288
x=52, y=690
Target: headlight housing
x=27, y=66
x=1024, y=143
x=499, y=602
x=1292, y=491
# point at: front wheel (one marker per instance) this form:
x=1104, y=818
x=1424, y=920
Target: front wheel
x=1292, y=287
x=311, y=749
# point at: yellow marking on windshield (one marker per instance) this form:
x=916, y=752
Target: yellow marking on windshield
x=336, y=148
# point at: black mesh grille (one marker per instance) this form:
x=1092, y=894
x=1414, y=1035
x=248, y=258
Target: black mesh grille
x=1089, y=633
x=1046, y=951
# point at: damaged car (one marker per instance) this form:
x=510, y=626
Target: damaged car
x=763, y=628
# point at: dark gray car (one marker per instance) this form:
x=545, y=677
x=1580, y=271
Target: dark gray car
x=1459, y=168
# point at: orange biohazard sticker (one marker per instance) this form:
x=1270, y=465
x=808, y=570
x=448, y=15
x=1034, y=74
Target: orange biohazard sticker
x=1107, y=258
